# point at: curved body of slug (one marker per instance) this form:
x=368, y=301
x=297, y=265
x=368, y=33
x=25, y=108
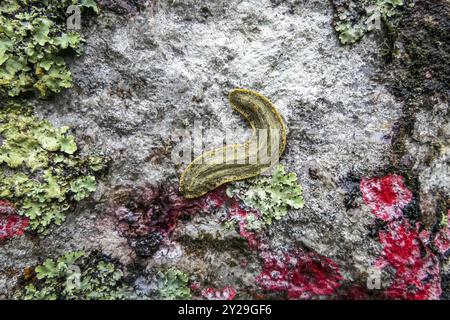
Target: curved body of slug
x=240, y=161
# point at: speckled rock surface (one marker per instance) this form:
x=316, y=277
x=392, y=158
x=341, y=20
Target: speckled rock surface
x=143, y=77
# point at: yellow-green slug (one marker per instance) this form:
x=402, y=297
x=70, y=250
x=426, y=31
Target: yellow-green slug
x=239, y=161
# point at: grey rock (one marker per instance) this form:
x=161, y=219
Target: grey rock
x=143, y=77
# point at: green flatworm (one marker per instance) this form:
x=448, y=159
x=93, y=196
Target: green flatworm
x=239, y=161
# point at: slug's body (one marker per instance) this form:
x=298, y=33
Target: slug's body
x=239, y=161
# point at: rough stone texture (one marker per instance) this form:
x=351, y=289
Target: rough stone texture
x=420, y=78
x=142, y=77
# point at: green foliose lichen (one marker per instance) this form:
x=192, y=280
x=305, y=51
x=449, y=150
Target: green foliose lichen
x=39, y=169
x=34, y=39
x=82, y=187
x=356, y=18
x=173, y=285
x=271, y=196
x=76, y=276
x=349, y=33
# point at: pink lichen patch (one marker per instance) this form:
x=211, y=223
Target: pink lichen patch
x=237, y=213
x=401, y=244
x=417, y=274
x=227, y=293
x=11, y=223
x=405, y=247
x=252, y=238
x=7, y=208
x=442, y=238
x=216, y=198
x=149, y=214
x=299, y=274
x=152, y=210
x=195, y=286
x=386, y=196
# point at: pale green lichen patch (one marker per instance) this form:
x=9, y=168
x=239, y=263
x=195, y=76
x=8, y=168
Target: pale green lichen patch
x=271, y=196
x=356, y=18
x=76, y=276
x=349, y=33
x=82, y=187
x=39, y=169
x=33, y=42
x=173, y=285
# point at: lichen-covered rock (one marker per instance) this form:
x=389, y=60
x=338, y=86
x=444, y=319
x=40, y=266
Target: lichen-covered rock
x=300, y=275
x=34, y=40
x=354, y=19
x=352, y=142
x=39, y=171
x=11, y=223
x=74, y=276
x=272, y=196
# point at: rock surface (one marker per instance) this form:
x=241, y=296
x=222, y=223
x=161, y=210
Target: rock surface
x=143, y=77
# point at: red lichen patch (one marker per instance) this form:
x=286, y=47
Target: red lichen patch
x=252, y=238
x=227, y=293
x=401, y=245
x=149, y=214
x=216, y=198
x=442, y=241
x=417, y=274
x=7, y=208
x=299, y=274
x=237, y=213
x=11, y=223
x=405, y=247
x=386, y=196
x=302, y=275
x=195, y=286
